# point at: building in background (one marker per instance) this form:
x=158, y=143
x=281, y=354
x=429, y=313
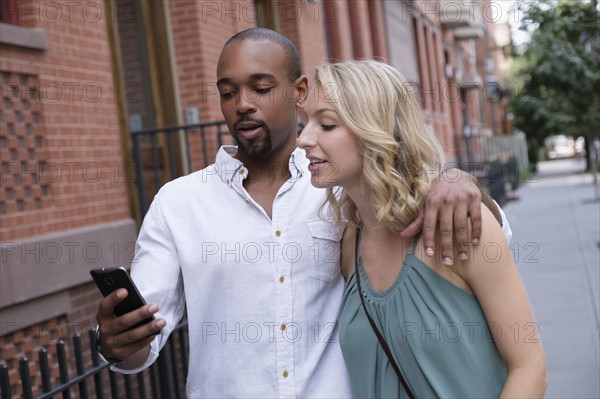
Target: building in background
x=88, y=88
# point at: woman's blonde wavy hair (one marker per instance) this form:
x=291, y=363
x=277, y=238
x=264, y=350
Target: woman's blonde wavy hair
x=401, y=155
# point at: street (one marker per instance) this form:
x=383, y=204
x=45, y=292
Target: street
x=556, y=245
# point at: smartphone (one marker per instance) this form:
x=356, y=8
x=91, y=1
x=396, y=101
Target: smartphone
x=110, y=279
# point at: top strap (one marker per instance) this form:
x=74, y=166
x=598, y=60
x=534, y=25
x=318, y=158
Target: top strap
x=414, y=246
x=380, y=338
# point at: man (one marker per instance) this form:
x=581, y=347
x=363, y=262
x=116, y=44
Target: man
x=241, y=245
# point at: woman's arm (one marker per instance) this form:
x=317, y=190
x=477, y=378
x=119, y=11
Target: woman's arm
x=495, y=281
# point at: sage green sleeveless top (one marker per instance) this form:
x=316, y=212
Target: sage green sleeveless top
x=436, y=331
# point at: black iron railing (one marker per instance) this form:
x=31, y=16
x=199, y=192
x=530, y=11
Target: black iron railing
x=500, y=162
x=164, y=379
x=159, y=154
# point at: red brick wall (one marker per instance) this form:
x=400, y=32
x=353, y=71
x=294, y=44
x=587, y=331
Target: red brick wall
x=361, y=29
x=492, y=112
x=200, y=29
x=440, y=95
x=304, y=25
x=378, y=36
x=336, y=16
x=62, y=164
x=78, y=127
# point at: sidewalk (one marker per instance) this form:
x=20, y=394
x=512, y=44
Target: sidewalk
x=556, y=236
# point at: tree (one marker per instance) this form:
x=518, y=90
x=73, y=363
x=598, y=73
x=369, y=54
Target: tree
x=559, y=71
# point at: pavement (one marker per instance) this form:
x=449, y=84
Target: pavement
x=556, y=245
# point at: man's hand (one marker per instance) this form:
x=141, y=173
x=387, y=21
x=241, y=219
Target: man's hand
x=452, y=199
x=117, y=337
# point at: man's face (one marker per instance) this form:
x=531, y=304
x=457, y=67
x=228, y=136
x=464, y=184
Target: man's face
x=257, y=99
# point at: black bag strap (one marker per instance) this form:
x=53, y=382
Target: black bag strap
x=382, y=342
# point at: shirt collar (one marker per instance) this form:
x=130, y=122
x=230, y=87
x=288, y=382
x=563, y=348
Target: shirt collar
x=229, y=169
x=227, y=166
x=298, y=163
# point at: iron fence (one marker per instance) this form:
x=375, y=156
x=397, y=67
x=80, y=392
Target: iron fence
x=158, y=156
x=164, y=379
x=162, y=154
x=499, y=162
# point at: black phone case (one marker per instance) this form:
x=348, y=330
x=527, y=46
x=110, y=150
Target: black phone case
x=109, y=280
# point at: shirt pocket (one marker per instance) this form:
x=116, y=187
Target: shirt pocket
x=325, y=249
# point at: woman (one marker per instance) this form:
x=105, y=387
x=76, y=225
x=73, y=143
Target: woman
x=465, y=330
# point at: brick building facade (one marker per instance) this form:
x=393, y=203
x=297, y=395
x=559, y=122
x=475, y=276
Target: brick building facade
x=78, y=77
x=64, y=206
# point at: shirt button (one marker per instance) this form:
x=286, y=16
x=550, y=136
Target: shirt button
x=247, y=200
x=242, y=171
x=278, y=233
x=285, y=374
x=283, y=327
x=281, y=279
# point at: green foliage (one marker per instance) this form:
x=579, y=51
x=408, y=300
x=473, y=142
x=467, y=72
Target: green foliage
x=558, y=71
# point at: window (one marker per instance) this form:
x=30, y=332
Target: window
x=267, y=15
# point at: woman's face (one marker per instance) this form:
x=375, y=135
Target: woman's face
x=332, y=149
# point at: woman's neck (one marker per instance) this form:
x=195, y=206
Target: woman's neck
x=365, y=210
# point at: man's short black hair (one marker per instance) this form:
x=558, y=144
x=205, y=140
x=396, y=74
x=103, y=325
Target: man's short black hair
x=293, y=59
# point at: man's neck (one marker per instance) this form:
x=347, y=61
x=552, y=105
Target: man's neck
x=272, y=169
x=265, y=178
x=267, y=170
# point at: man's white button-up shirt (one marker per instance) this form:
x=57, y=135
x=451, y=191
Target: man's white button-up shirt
x=262, y=294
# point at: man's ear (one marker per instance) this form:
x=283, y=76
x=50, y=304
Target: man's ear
x=301, y=85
